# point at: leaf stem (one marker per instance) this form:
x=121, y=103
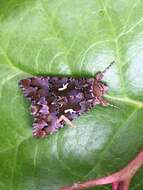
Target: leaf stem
x=119, y=180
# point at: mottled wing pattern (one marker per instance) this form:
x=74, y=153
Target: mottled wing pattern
x=52, y=97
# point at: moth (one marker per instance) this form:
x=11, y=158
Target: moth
x=56, y=101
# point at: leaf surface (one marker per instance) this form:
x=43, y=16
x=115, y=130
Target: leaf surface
x=75, y=38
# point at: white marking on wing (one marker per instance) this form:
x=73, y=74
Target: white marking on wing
x=64, y=87
x=70, y=110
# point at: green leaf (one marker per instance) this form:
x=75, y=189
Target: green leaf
x=70, y=37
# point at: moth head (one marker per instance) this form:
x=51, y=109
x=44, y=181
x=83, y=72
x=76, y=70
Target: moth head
x=99, y=76
x=99, y=87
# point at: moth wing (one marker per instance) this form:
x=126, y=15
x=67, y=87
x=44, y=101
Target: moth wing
x=52, y=97
x=35, y=87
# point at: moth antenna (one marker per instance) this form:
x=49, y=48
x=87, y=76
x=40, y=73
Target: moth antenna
x=100, y=74
x=108, y=67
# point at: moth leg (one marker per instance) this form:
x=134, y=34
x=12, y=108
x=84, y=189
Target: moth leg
x=101, y=100
x=66, y=120
x=39, y=133
x=104, y=102
x=37, y=130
